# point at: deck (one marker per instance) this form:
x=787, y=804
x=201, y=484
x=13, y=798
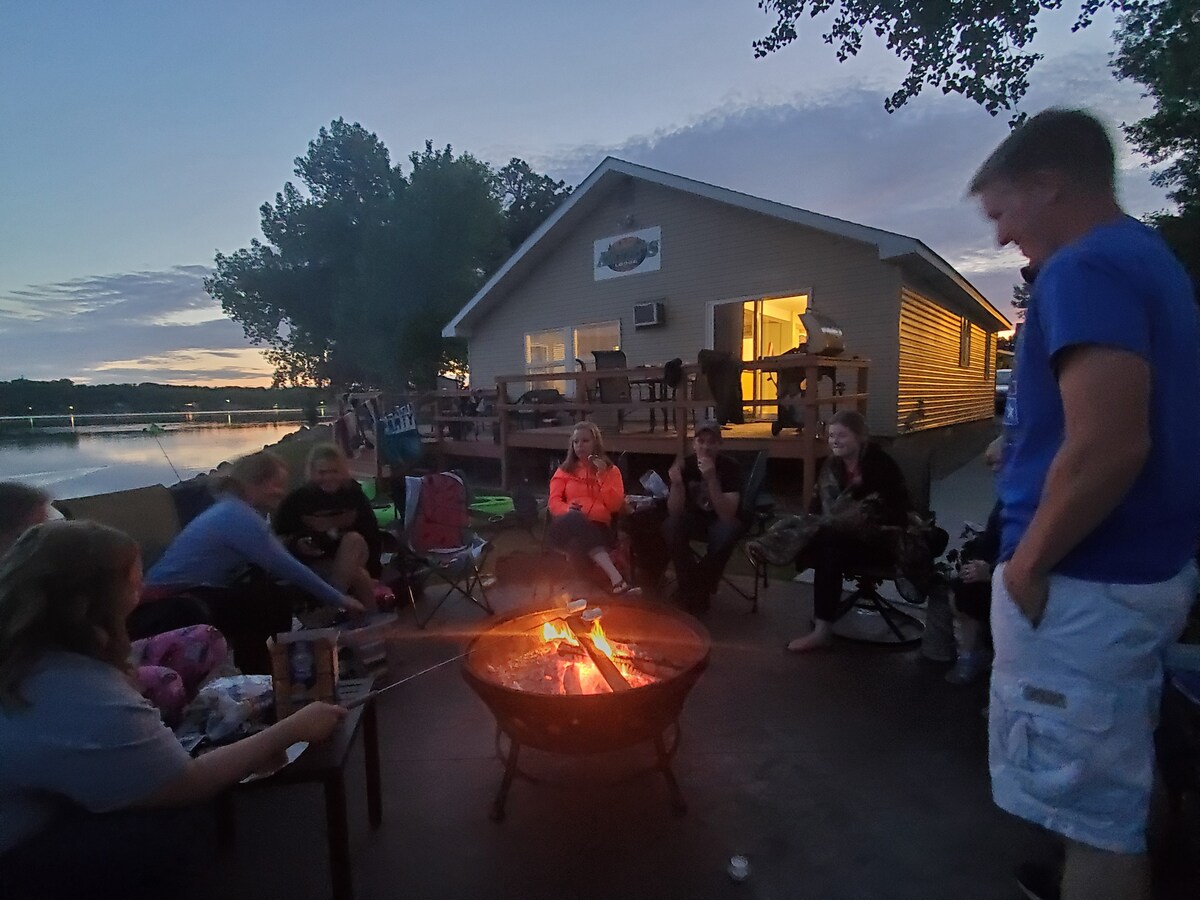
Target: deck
x=636, y=412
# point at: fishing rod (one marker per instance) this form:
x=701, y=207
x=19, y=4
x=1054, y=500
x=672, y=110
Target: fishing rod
x=154, y=430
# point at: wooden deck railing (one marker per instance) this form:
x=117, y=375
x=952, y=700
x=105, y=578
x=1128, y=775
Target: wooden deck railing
x=445, y=424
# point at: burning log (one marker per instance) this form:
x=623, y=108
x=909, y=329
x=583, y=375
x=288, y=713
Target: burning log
x=571, y=683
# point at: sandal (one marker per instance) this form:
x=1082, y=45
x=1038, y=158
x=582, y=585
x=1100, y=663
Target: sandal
x=622, y=587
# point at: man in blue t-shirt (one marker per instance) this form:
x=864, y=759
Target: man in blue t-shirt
x=1101, y=501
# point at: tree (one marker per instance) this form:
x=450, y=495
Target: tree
x=361, y=267
x=1020, y=300
x=451, y=237
x=1158, y=46
x=981, y=51
x=975, y=49
x=528, y=199
x=286, y=293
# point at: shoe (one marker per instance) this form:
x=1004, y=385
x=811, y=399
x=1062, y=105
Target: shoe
x=969, y=667
x=1039, y=881
x=622, y=587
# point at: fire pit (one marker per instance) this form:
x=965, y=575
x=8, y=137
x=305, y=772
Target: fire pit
x=576, y=684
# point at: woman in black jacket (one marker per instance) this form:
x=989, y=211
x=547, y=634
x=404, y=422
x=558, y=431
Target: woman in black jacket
x=861, y=506
x=329, y=525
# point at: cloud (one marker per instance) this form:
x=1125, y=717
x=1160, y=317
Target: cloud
x=844, y=156
x=157, y=325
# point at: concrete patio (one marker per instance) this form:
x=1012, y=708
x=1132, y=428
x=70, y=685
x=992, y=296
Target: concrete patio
x=855, y=773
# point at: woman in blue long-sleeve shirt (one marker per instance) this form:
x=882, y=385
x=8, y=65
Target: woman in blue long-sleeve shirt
x=220, y=546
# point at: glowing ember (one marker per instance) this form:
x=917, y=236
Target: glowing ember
x=557, y=663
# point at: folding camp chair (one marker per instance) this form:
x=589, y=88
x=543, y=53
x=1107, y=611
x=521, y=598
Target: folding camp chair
x=755, y=510
x=437, y=542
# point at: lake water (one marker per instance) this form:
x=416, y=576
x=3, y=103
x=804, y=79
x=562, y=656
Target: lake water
x=99, y=459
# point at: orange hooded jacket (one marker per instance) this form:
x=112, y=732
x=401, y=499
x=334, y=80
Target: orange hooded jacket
x=598, y=497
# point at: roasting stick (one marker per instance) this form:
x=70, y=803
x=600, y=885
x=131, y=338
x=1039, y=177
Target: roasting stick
x=383, y=690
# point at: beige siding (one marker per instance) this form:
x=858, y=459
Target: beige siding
x=934, y=390
x=710, y=251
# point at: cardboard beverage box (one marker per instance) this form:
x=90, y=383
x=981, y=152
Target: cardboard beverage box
x=304, y=668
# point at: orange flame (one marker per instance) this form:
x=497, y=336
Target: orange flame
x=600, y=639
x=552, y=632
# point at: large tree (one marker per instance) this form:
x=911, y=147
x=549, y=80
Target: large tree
x=528, y=198
x=979, y=50
x=982, y=51
x=361, y=266
x=1158, y=46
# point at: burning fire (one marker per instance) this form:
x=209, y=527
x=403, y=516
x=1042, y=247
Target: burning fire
x=559, y=663
x=558, y=631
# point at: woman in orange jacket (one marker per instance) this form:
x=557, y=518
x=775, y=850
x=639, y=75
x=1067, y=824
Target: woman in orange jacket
x=586, y=492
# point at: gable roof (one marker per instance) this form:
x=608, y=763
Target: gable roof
x=911, y=254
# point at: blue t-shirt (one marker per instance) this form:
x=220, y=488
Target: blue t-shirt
x=87, y=739
x=1118, y=286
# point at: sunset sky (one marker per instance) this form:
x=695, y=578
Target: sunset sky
x=141, y=138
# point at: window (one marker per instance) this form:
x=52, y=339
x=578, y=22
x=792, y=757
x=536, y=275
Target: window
x=964, y=343
x=547, y=351
x=599, y=336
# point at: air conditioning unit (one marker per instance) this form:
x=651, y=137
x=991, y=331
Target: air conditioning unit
x=646, y=315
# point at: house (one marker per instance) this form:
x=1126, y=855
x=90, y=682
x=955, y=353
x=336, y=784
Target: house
x=662, y=266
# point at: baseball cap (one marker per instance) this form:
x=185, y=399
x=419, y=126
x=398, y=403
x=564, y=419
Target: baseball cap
x=709, y=425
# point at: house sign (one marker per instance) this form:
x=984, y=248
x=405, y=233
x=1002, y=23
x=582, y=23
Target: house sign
x=627, y=254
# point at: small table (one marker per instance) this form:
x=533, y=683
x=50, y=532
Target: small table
x=325, y=764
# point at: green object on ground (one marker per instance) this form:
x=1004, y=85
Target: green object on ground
x=495, y=505
x=384, y=515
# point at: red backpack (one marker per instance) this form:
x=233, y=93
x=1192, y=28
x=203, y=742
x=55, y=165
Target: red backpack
x=442, y=515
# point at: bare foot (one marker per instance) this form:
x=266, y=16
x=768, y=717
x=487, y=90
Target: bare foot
x=820, y=636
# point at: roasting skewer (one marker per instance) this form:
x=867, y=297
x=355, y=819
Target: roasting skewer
x=359, y=701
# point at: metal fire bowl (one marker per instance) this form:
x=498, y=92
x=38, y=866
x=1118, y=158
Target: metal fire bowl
x=591, y=723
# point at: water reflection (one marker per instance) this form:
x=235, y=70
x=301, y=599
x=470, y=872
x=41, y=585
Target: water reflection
x=95, y=460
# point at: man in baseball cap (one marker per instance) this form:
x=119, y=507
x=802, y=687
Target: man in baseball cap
x=703, y=504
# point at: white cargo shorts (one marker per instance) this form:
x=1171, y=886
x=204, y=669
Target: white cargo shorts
x=1074, y=704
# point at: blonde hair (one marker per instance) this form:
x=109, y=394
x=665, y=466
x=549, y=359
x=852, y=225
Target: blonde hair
x=323, y=453
x=254, y=468
x=572, y=460
x=61, y=587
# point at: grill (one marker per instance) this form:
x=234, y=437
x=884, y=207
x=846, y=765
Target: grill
x=573, y=684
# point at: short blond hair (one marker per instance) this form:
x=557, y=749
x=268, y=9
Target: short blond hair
x=323, y=453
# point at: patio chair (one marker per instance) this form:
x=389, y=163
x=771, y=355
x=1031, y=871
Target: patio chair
x=438, y=544
x=900, y=626
x=613, y=388
x=754, y=509
x=619, y=550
